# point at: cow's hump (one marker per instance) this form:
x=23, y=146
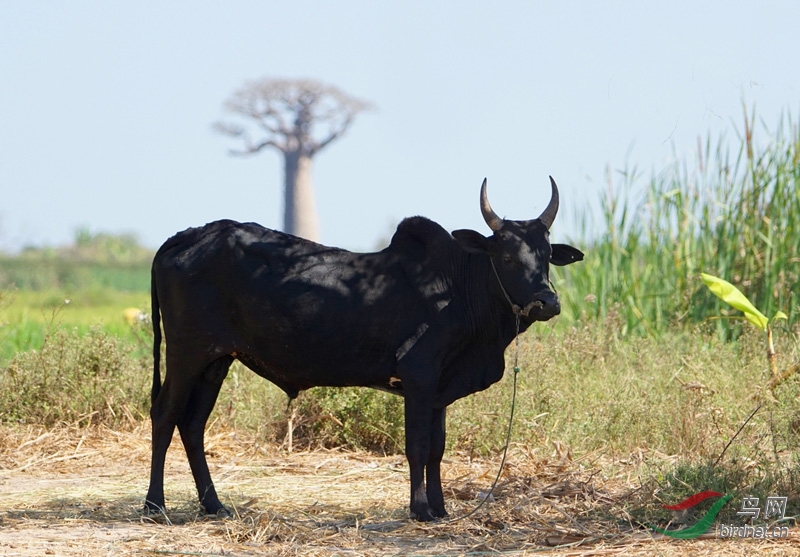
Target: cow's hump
x=418, y=237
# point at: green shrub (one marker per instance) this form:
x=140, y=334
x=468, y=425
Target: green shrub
x=740, y=478
x=357, y=418
x=76, y=378
x=352, y=418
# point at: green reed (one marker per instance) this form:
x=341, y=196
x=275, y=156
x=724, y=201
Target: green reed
x=731, y=212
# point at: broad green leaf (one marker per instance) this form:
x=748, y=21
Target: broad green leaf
x=779, y=315
x=731, y=295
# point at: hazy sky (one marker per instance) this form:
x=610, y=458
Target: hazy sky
x=107, y=107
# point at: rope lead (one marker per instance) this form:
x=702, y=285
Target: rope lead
x=508, y=431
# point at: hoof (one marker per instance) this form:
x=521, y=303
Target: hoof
x=154, y=513
x=439, y=513
x=423, y=516
x=222, y=512
x=151, y=509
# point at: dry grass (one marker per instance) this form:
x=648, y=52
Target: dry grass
x=77, y=491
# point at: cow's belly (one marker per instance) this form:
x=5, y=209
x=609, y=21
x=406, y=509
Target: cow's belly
x=300, y=373
x=297, y=355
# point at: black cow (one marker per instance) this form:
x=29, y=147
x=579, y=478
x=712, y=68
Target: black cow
x=427, y=318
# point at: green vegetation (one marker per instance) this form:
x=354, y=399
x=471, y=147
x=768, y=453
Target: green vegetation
x=76, y=287
x=645, y=365
x=733, y=215
x=26, y=316
x=76, y=378
x=668, y=405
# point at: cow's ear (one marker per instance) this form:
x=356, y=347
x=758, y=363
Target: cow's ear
x=564, y=254
x=473, y=242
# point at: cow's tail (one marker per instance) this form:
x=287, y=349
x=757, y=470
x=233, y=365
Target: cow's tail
x=156, y=337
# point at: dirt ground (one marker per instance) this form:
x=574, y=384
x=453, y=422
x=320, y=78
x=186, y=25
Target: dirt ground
x=72, y=491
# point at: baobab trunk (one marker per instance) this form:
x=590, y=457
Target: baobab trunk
x=300, y=211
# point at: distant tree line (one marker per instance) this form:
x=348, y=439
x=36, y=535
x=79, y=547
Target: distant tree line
x=92, y=260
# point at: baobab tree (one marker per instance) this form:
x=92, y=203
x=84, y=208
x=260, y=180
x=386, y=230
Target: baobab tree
x=299, y=118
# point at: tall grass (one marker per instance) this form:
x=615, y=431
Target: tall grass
x=734, y=213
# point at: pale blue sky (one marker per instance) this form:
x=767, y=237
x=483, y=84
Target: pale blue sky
x=106, y=111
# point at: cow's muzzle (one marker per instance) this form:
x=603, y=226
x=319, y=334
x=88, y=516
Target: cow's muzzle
x=544, y=306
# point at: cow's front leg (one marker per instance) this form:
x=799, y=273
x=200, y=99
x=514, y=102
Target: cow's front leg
x=418, y=414
x=433, y=478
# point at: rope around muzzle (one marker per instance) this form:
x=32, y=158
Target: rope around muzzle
x=518, y=311
x=510, y=417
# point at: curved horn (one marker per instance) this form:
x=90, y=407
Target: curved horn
x=491, y=218
x=549, y=214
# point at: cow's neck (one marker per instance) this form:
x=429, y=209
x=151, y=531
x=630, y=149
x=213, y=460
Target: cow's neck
x=492, y=311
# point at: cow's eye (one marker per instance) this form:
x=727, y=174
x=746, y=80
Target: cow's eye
x=508, y=259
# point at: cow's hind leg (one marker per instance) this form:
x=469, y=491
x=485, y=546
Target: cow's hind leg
x=168, y=408
x=192, y=430
x=433, y=478
x=162, y=437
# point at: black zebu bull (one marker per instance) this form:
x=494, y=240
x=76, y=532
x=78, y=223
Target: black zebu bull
x=427, y=318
